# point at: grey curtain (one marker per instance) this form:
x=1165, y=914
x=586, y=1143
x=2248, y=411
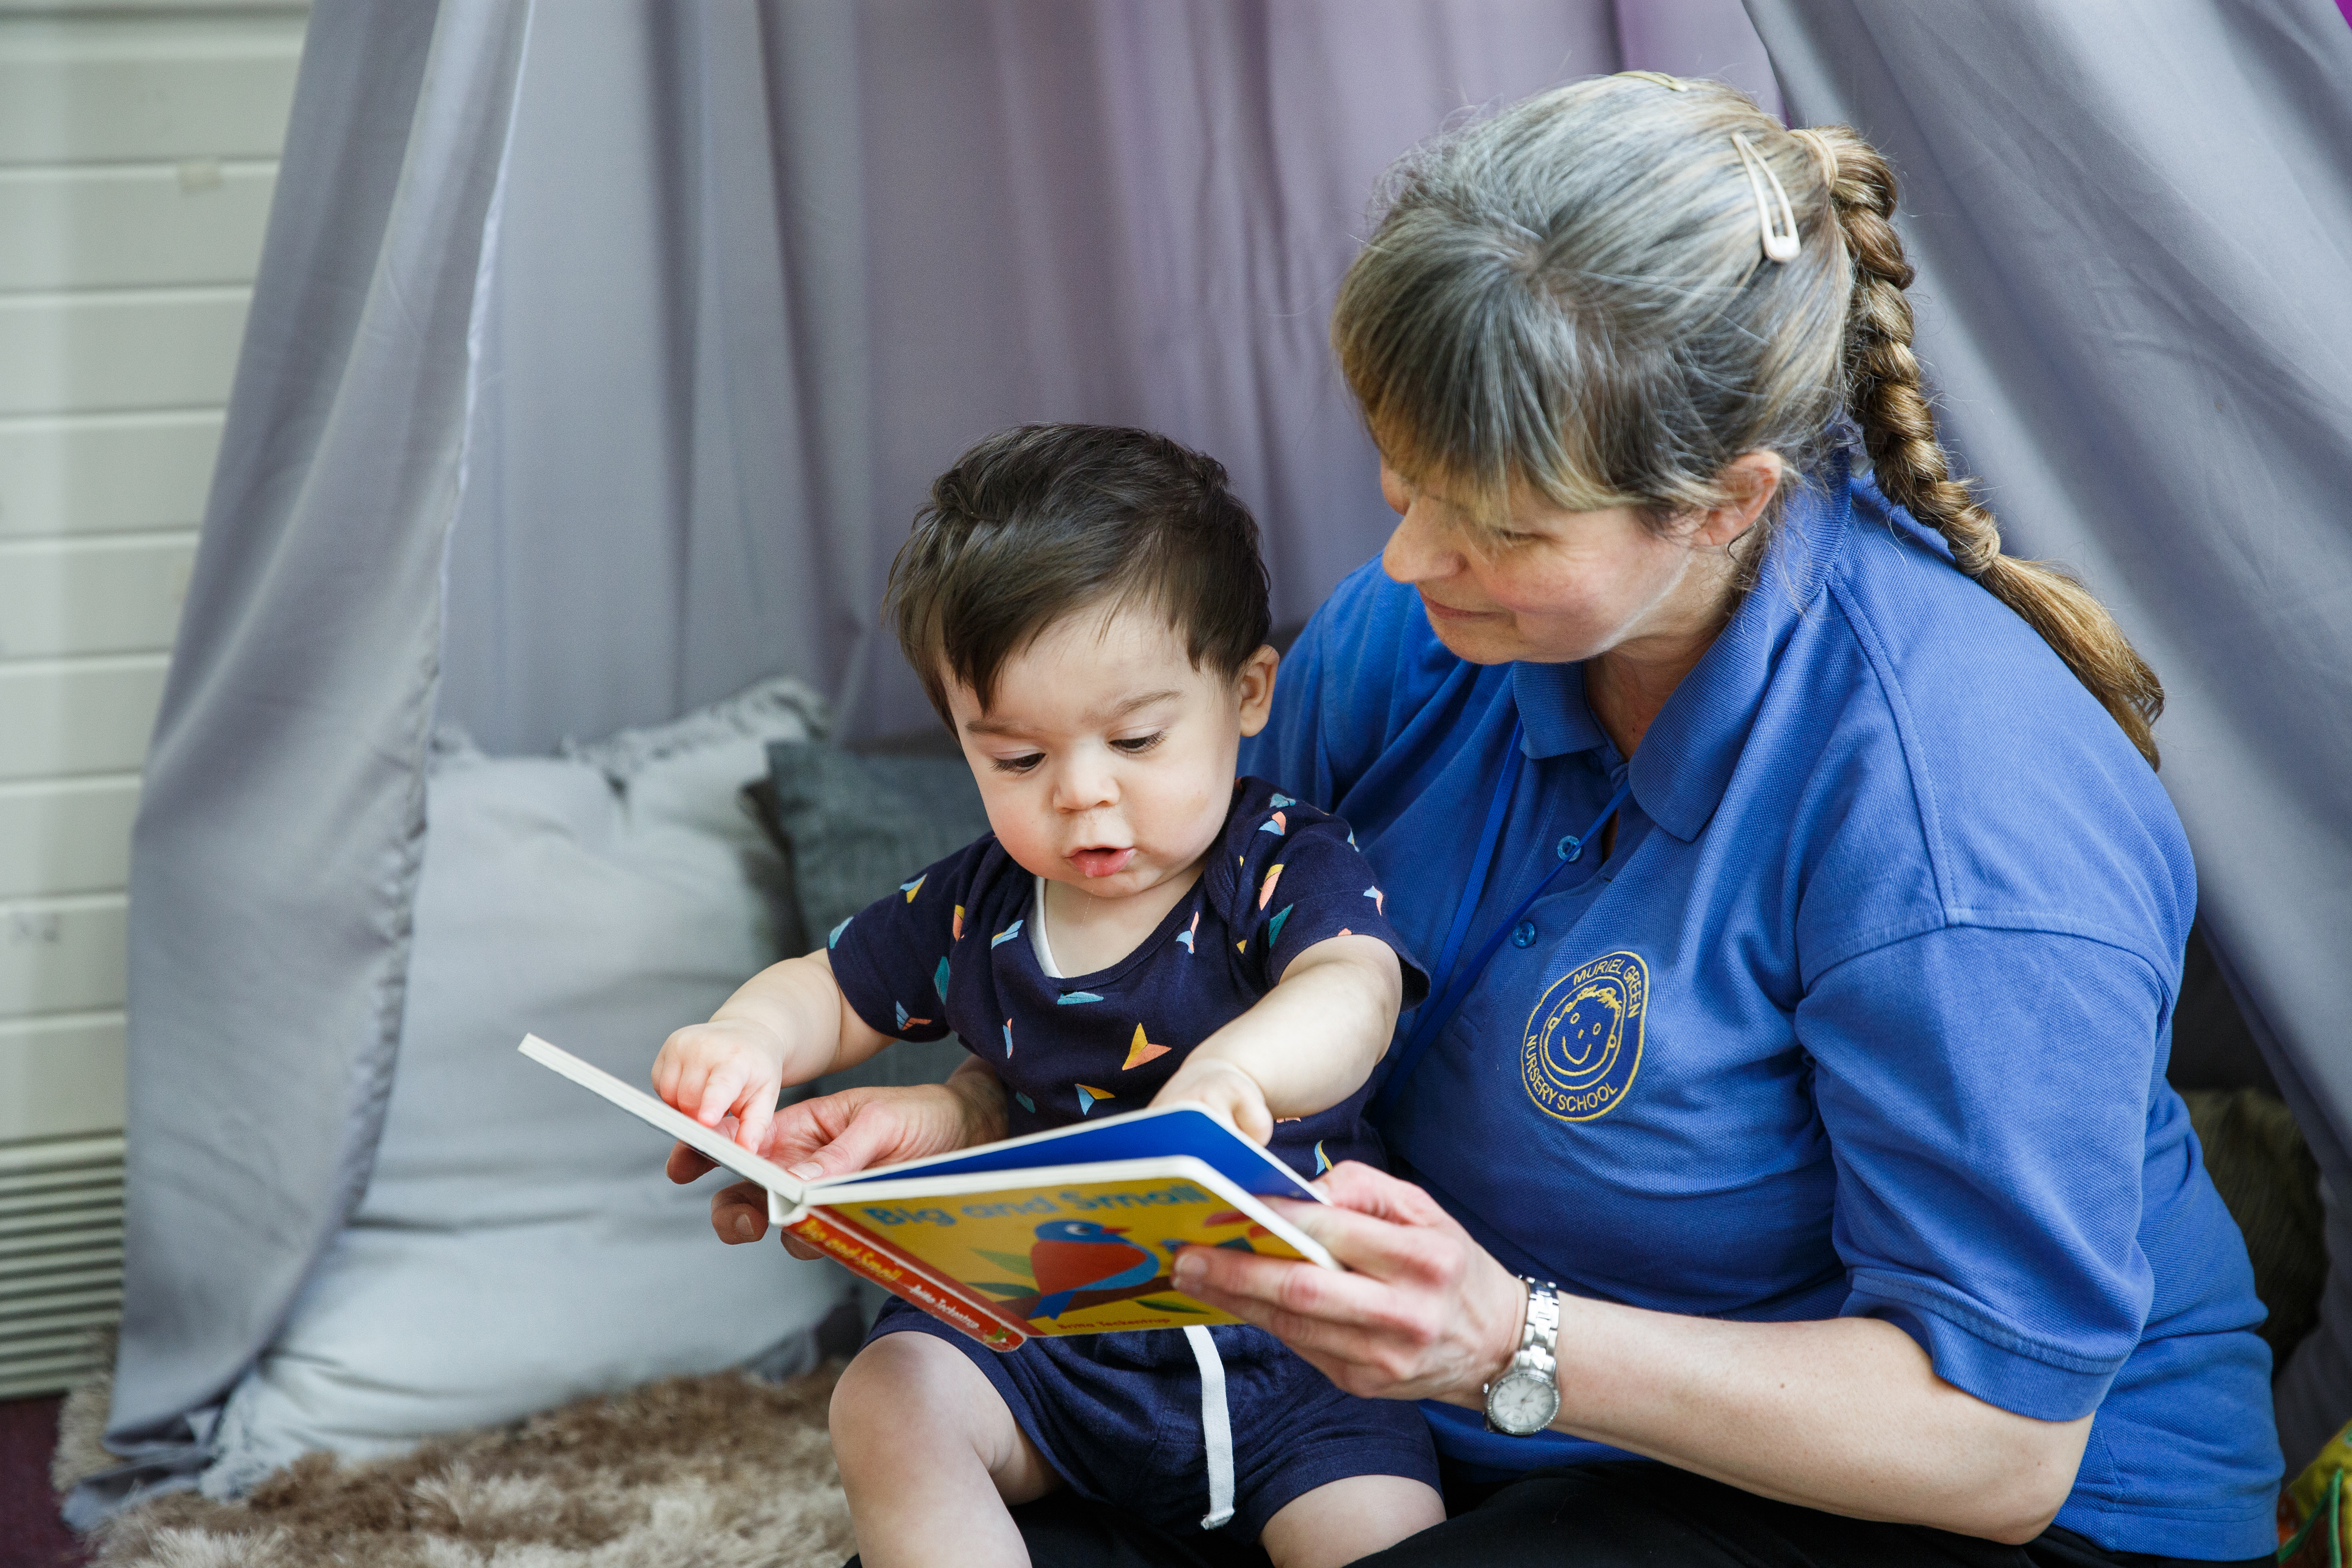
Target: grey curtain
x=2133, y=228
x=600, y=351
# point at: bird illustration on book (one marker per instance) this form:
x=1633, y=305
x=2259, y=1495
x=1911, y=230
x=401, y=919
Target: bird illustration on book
x=911, y=889
x=1265, y=889
x=1089, y=1097
x=1140, y=1051
x=1190, y=931
x=1074, y=1255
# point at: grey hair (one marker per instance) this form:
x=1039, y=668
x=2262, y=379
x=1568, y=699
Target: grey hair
x=1572, y=296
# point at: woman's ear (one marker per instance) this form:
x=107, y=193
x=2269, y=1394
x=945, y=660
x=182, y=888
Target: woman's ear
x=1256, y=683
x=1749, y=482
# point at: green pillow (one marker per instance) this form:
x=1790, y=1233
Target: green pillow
x=853, y=828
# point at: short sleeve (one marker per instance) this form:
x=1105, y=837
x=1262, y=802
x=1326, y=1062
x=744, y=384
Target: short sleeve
x=891, y=959
x=1307, y=883
x=1986, y=1094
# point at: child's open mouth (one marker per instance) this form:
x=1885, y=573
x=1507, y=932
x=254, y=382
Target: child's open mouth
x=1101, y=862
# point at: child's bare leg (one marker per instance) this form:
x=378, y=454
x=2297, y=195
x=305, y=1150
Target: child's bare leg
x=1341, y=1520
x=931, y=1457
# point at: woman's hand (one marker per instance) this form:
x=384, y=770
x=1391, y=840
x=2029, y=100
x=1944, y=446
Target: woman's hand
x=1425, y=1312
x=1845, y=1414
x=852, y=1130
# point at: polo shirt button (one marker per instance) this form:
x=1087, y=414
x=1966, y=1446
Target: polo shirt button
x=1567, y=846
x=1524, y=934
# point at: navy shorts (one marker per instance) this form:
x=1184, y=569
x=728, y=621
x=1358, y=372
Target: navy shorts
x=1118, y=1418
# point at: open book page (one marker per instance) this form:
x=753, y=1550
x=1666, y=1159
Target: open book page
x=1074, y=1231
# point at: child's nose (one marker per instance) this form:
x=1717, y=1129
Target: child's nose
x=1086, y=782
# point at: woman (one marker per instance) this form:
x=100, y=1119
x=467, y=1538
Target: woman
x=1805, y=914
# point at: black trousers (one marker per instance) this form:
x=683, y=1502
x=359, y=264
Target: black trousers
x=1589, y=1516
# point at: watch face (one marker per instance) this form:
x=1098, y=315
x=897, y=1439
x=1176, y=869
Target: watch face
x=1522, y=1403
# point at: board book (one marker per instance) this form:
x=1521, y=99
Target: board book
x=1073, y=1231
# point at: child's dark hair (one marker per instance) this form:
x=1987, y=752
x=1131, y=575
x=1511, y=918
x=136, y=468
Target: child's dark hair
x=1036, y=522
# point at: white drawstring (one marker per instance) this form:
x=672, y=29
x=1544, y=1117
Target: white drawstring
x=1216, y=1427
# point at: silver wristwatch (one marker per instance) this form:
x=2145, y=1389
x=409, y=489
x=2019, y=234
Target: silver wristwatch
x=1522, y=1402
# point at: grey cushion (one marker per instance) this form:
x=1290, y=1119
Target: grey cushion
x=855, y=828
x=518, y=1245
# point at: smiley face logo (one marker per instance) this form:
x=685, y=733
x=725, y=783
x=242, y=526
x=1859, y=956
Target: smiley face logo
x=1583, y=1041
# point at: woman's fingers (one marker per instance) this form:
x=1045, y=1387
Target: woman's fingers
x=740, y=1212
x=688, y=1164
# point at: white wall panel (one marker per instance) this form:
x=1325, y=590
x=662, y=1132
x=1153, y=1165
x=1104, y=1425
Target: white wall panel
x=61, y=1077
x=119, y=594
x=83, y=716
x=67, y=836
x=113, y=88
x=165, y=348
x=127, y=225
x=62, y=955
x=102, y=472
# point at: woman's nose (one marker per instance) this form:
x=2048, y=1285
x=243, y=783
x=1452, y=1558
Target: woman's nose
x=1421, y=550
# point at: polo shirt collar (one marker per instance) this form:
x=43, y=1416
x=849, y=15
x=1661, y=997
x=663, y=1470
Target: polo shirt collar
x=1685, y=759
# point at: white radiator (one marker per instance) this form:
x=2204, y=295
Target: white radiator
x=61, y=1260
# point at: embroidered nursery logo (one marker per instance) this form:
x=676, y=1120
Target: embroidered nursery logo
x=1583, y=1043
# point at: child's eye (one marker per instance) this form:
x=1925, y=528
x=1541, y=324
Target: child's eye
x=1020, y=764
x=1136, y=745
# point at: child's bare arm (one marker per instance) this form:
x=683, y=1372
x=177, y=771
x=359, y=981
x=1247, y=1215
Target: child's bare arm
x=1308, y=1044
x=788, y=1024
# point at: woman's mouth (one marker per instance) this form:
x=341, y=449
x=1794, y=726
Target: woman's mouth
x=1102, y=862
x=1438, y=611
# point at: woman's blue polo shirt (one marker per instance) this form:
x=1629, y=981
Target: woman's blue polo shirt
x=1866, y=1013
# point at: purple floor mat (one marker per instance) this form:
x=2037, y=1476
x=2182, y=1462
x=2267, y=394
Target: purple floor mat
x=31, y=1533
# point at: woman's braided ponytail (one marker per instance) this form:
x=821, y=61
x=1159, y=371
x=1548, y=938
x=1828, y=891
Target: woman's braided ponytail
x=1899, y=430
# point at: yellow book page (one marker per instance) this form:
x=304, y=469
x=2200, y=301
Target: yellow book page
x=1081, y=1257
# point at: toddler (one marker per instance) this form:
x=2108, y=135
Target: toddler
x=1087, y=610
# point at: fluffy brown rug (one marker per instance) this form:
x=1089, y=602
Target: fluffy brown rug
x=697, y=1472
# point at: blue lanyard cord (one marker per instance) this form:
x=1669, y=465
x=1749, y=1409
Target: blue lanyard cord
x=1454, y=989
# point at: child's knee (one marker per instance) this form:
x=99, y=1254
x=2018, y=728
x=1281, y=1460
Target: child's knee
x=908, y=1390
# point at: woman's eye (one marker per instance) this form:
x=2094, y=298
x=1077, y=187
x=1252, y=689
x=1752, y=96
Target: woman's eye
x=1020, y=764
x=1136, y=745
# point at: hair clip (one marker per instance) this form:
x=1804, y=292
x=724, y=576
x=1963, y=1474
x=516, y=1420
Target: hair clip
x=1779, y=243
x=1660, y=78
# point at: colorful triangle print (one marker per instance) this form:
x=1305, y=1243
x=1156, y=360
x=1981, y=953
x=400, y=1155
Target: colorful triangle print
x=955, y=926
x=1276, y=825
x=1280, y=800
x=1140, y=1052
x=1265, y=889
x=1008, y=1039
x=1274, y=926
x=1090, y=1097
x=1007, y=934
x=940, y=980
x=1322, y=1161
x=1072, y=998
x=911, y=889
x=1187, y=935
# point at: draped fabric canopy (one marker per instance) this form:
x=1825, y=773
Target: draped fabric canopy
x=601, y=350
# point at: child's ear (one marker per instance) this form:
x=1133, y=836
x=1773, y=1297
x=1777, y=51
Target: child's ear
x=1256, y=683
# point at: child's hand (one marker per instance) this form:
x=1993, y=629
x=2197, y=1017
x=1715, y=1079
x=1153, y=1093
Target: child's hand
x=729, y=1066
x=1221, y=1087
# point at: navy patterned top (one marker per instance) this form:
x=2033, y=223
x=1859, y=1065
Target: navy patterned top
x=950, y=951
